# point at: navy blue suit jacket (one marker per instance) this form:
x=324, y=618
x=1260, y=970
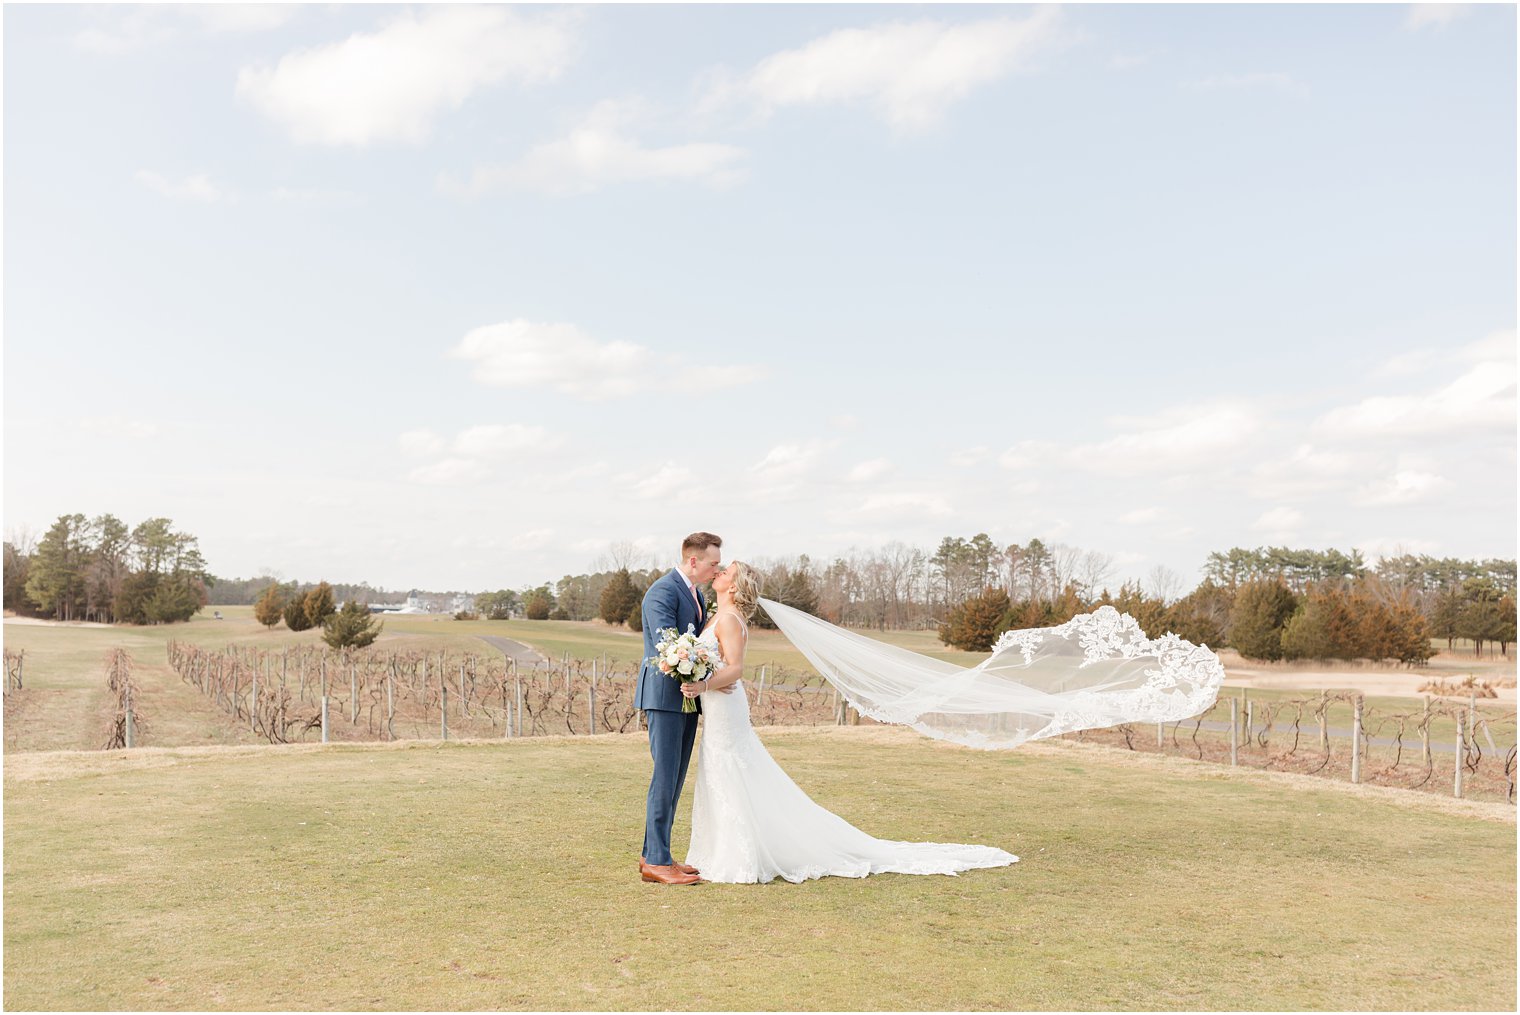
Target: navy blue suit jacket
x=666, y=604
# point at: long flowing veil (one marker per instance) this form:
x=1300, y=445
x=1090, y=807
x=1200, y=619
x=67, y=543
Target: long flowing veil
x=1097, y=669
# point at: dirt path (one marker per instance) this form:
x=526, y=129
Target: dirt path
x=1379, y=680
x=524, y=655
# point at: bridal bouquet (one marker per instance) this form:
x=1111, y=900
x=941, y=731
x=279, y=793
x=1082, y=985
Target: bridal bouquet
x=683, y=658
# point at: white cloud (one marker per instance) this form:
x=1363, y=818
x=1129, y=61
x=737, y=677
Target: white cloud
x=1383, y=546
x=1434, y=15
x=520, y=354
x=449, y=472
x=533, y=539
x=909, y=72
x=1499, y=345
x=311, y=197
x=192, y=188
x=666, y=481
x=1180, y=438
x=1308, y=470
x=1140, y=516
x=1276, y=81
x=390, y=84
x=1282, y=522
x=601, y=153
x=118, y=427
x=497, y=440
x=1029, y=453
x=421, y=442
x=788, y=461
x=473, y=451
x=1482, y=398
x=127, y=28
x=871, y=469
x=906, y=505
x=1406, y=486
x=239, y=17
x=590, y=159
x=967, y=457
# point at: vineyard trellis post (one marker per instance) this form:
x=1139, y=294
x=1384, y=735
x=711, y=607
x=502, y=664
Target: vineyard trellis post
x=443, y=706
x=760, y=697
x=1460, y=755
x=1356, y=741
x=131, y=720
x=591, y=702
x=390, y=702
x=1160, y=736
x=324, y=718
x=1324, y=721
x=1425, y=736
x=1234, y=731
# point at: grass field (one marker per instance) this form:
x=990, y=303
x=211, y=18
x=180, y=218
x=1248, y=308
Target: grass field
x=501, y=875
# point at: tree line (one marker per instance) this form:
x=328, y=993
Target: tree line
x=1266, y=602
x=99, y=569
x=1280, y=604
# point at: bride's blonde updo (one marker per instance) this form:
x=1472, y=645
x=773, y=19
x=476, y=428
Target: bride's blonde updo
x=746, y=589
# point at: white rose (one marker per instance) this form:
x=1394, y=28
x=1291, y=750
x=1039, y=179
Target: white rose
x=684, y=668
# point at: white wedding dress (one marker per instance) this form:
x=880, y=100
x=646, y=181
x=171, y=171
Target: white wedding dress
x=751, y=823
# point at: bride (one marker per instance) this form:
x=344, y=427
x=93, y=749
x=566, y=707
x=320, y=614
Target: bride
x=750, y=822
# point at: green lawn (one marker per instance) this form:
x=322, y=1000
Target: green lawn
x=501, y=875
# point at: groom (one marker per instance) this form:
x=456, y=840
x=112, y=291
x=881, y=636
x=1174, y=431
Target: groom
x=672, y=601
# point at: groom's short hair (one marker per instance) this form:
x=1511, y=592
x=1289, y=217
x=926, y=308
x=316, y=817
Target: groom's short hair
x=697, y=542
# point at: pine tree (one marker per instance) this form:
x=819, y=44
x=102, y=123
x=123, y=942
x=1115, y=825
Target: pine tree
x=1203, y=615
x=975, y=624
x=174, y=600
x=799, y=592
x=351, y=627
x=131, y=604
x=319, y=604
x=55, y=578
x=1256, y=622
x=618, y=597
x=636, y=617
x=1324, y=626
x=271, y=605
x=295, y=614
x=538, y=603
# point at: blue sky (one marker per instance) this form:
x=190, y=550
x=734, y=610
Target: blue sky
x=458, y=297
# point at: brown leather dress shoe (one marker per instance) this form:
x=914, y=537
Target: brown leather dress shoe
x=684, y=868
x=666, y=875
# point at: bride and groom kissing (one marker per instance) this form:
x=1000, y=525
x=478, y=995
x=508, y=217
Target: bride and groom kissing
x=750, y=822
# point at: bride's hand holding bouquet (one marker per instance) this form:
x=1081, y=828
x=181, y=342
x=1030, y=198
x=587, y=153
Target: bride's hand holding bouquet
x=683, y=658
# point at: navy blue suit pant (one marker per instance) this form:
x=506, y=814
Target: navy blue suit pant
x=671, y=736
